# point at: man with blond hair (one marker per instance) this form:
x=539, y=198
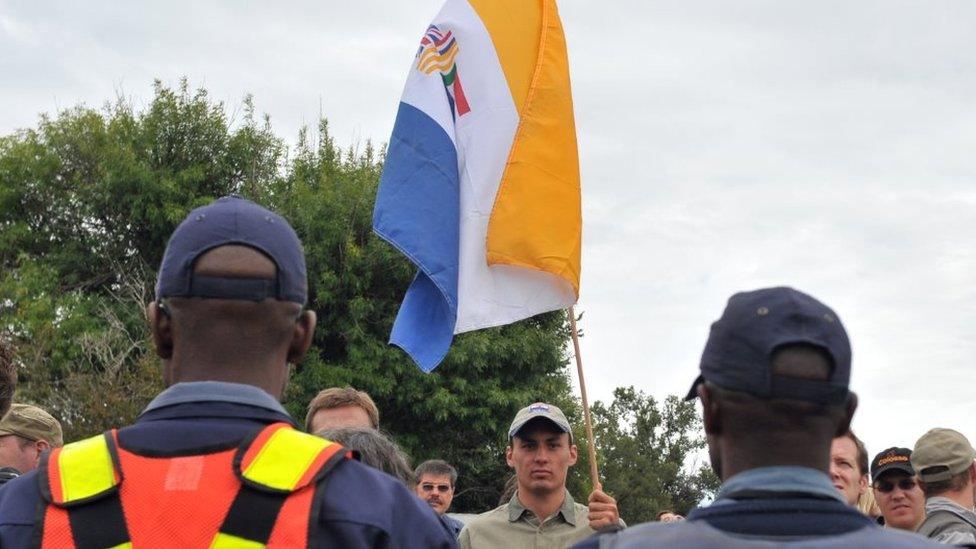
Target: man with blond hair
x=341, y=407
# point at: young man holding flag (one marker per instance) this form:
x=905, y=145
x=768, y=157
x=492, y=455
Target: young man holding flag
x=542, y=512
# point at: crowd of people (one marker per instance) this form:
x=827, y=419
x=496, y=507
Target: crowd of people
x=215, y=460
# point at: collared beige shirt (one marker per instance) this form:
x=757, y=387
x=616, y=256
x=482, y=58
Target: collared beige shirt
x=512, y=526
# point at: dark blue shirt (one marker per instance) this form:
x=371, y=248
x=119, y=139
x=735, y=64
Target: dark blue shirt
x=766, y=507
x=453, y=524
x=361, y=507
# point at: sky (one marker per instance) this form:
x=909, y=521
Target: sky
x=826, y=145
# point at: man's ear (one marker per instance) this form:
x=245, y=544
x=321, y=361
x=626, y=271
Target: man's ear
x=573, y=454
x=302, y=337
x=508, y=456
x=710, y=411
x=161, y=328
x=845, y=421
x=41, y=446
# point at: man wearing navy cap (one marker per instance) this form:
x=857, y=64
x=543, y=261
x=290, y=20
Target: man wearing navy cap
x=215, y=460
x=774, y=392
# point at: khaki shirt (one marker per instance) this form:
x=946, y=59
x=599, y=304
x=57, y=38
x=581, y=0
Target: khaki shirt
x=512, y=526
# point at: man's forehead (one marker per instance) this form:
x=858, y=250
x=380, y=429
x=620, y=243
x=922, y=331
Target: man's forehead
x=235, y=260
x=843, y=446
x=435, y=479
x=540, y=430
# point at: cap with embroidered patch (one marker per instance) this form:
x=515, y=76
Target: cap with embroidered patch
x=892, y=459
x=738, y=354
x=233, y=220
x=543, y=410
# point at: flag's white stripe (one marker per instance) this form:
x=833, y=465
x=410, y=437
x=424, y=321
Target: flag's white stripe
x=483, y=137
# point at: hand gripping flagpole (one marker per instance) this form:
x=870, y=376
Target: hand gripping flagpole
x=594, y=472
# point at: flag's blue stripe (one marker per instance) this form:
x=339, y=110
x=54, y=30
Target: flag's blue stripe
x=418, y=211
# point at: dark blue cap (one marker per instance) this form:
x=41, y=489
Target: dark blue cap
x=233, y=220
x=739, y=351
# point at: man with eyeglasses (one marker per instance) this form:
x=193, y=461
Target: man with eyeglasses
x=898, y=494
x=435, y=485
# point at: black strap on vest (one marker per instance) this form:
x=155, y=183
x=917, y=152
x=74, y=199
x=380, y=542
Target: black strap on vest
x=95, y=524
x=253, y=514
x=99, y=523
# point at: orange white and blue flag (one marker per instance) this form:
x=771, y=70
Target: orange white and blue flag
x=481, y=183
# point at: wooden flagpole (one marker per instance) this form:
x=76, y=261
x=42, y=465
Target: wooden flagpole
x=594, y=471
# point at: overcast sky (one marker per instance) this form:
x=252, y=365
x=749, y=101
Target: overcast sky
x=827, y=145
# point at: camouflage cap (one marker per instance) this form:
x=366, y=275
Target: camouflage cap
x=32, y=423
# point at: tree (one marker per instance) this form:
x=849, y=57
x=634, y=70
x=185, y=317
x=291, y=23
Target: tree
x=461, y=411
x=88, y=199
x=649, y=454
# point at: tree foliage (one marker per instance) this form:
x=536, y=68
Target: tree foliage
x=88, y=199
x=649, y=454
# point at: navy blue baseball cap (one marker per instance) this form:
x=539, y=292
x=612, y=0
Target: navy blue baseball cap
x=233, y=220
x=738, y=354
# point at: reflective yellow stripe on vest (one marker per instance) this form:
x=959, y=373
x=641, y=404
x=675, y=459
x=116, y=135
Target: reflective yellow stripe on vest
x=86, y=469
x=284, y=459
x=227, y=541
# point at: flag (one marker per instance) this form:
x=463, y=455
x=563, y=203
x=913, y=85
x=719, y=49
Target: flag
x=481, y=183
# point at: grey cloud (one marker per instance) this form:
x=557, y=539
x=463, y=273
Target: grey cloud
x=724, y=146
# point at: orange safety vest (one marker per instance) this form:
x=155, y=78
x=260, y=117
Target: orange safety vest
x=100, y=495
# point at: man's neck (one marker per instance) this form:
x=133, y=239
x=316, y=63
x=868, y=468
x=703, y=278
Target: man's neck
x=735, y=460
x=257, y=375
x=543, y=505
x=963, y=498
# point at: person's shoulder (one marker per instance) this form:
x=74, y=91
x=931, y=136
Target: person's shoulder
x=698, y=534
x=453, y=524
x=359, y=497
x=488, y=518
x=945, y=525
x=634, y=536
x=18, y=499
x=890, y=537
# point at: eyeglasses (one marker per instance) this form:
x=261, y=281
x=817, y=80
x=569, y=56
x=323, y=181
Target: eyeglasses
x=429, y=487
x=885, y=486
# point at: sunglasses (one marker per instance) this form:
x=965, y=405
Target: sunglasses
x=429, y=487
x=885, y=486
